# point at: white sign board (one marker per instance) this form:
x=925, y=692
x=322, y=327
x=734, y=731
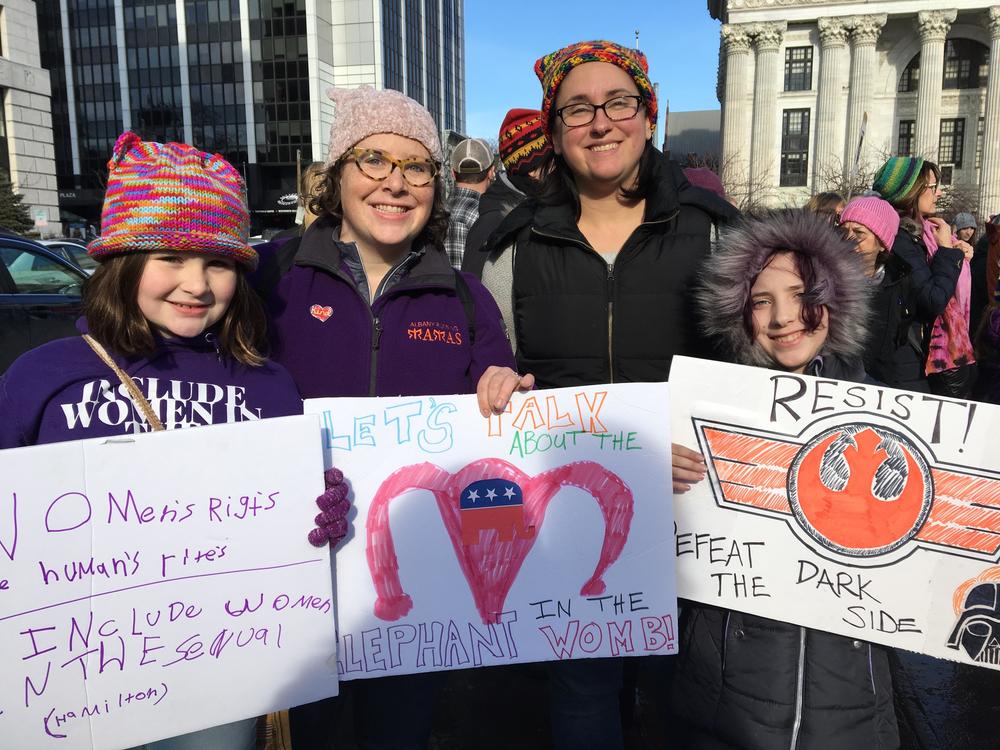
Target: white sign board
x=851, y=508
x=543, y=533
x=159, y=584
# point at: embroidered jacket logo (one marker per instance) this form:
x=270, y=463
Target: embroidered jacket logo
x=178, y=403
x=434, y=332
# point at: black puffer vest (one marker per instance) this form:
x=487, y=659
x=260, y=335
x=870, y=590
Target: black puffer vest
x=581, y=320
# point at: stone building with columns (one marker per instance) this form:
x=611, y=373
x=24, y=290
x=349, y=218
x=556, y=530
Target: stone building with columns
x=800, y=80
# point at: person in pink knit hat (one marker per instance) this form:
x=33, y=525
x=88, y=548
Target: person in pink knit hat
x=894, y=351
x=373, y=307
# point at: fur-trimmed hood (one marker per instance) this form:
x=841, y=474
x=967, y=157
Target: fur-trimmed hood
x=742, y=254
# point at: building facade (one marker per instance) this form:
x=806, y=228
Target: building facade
x=817, y=92
x=244, y=78
x=27, y=158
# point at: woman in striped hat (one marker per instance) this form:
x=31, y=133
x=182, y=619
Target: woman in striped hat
x=941, y=277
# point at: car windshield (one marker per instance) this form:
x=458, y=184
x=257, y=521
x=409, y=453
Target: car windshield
x=78, y=254
x=34, y=273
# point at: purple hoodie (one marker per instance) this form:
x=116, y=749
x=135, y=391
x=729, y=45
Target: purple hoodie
x=63, y=391
x=413, y=340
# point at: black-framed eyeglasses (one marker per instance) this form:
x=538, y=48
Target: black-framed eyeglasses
x=617, y=109
x=378, y=165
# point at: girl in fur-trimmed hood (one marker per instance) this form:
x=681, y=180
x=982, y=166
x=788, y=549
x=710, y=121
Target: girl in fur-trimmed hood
x=783, y=289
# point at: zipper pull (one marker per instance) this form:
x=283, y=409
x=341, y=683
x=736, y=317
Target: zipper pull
x=214, y=341
x=376, y=332
x=611, y=277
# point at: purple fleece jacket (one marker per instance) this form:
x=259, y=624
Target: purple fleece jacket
x=63, y=391
x=413, y=340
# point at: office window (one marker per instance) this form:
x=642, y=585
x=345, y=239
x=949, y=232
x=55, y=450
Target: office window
x=910, y=79
x=951, y=141
x=907, y=136
x=798, y=68
x=966, y=64
x=794, y=147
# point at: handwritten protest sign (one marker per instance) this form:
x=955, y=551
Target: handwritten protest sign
x=161, y=584
x=543, y=533
x=855, y=509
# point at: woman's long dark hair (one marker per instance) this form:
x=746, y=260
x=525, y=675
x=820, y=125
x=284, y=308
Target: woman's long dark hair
x=558, y=187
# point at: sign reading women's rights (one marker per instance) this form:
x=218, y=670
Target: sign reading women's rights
x=158, y=584
x=543, y=533
x=851, y=508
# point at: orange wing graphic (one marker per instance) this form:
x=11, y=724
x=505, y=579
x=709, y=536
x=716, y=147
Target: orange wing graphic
x=965, y=513
x=751, y=470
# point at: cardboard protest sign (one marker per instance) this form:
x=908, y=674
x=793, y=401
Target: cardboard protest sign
x=851, y=508
x=158, y=584
x=543, y=533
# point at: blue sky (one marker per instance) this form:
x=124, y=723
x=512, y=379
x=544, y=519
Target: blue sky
x=503, y=38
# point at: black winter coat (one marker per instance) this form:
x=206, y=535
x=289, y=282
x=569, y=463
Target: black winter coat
x=895, y=354
x=752, y=683
x=580, y=320
x=501, y=197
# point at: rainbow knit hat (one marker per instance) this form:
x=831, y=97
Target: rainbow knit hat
x=170, y=196
x=553, y=68
x=897, y=177
x=523, y=145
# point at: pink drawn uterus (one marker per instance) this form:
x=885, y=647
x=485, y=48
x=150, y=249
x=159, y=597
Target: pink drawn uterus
x=491, y=564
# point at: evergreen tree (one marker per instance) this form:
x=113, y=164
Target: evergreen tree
x=13, y=216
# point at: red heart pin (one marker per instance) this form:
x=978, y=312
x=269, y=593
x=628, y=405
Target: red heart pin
x=491, y=564
x=322, y=314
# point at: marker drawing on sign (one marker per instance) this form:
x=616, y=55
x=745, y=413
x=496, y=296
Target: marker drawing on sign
x=491, y=548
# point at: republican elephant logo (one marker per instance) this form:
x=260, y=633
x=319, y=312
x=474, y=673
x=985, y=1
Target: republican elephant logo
x=492, y=512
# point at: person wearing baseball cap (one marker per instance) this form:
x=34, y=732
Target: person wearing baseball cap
x=600, y=289
x=472, y=167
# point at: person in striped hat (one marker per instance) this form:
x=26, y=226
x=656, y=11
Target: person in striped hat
x=941, y=276
x=172, y=337
x=523, y=150
x=601, y=288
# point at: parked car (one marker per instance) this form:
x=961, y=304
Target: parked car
x=74, y=251
x=39, y=296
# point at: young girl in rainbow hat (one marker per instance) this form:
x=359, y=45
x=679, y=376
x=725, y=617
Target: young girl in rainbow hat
x=169, y=302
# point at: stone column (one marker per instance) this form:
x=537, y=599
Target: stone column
x=736, y=107
x=865, y=31
x=830, y=109
x=934, y=26
x=989, y=176
x=767, y=79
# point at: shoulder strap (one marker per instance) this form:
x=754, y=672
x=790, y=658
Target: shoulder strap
x=133, y=390
x=468, y=304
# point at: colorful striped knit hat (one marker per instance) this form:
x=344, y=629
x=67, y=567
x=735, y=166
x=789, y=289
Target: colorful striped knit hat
x=523, y=145
x=170, y=196
x=553, y=68
x=897, y=177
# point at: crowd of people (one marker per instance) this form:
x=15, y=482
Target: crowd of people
x=582, y=256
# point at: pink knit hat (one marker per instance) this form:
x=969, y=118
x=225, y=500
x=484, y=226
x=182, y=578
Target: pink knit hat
x=364, y=111
x=171, y=196
x=876, y=214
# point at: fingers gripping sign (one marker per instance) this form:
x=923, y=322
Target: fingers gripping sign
x=496, y=387
x=688, y=467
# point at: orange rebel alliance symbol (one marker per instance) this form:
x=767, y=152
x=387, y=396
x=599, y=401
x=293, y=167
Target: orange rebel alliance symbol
x=859, y=518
